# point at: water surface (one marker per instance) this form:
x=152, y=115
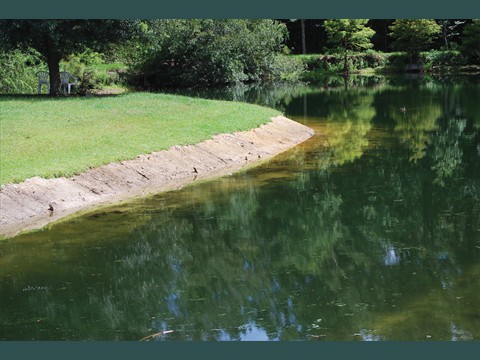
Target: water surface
x=370, y=230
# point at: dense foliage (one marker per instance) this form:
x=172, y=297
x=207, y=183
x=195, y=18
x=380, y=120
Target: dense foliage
x=92, y=71
x=471, y=41
x=349, y=34
x=316, y=39
x=154, y=54
x=17, y=71
x=211, y=52
x=56, y=39
x=414, y=35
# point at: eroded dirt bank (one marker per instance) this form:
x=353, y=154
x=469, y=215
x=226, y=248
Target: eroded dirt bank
x=36, y=202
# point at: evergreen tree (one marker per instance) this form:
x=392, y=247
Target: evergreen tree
x=414, y=35
x=349, y=34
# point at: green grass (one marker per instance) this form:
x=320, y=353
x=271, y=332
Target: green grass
x=52, y=137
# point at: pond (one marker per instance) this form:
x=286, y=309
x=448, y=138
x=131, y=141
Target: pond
x=370, y=230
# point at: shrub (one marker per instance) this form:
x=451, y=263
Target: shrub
x=286, y=68
x=396, y=61
x=320, y=65
x=367, y=61
x=310, y=62
x=17, y=71
x=90, y=69
x=81, y=66
x=435, y=58
x=211, y=52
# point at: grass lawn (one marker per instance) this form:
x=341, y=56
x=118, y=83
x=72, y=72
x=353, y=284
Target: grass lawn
x=52, y=137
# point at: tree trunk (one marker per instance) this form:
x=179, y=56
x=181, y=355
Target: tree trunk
x=53, y=61
x=345, y=80
x=385, y=35
x=145, y=82
x=345, y=58
x=304, y=43
x=444, y=30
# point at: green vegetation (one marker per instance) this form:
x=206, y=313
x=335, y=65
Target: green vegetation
x=57, y=39
x=323, y=68
x=17, y=71
x=62, y=136
x=183, y=53
x=471, y=39
x=187, y=53
x=18, y=68
x=429, y=46
x=414, y=35
x=349, y=34
x=93, y=72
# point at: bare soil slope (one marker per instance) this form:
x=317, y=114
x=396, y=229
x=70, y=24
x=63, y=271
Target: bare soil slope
x=36, y=202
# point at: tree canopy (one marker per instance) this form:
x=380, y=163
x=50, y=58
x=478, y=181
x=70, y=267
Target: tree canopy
x=162, y=53
x=208, y=52
x=414, y=35
x=471, y=41
x=349, y=34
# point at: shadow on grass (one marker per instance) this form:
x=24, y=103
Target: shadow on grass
x=60, y=97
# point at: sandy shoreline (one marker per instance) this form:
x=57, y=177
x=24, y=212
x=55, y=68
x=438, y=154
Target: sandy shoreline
x=36, y=202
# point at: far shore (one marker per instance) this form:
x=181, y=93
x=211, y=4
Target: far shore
x=36, y=202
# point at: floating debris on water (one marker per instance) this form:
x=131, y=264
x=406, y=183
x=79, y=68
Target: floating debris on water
x=35, y=288
x=153, y=336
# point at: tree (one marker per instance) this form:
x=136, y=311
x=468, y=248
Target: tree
x=56, y=39
x=138, y=52
x=381, y=39
x=349, y=34
x=450, y=30
x=304, y=42
x=192, y=52
x=414, y=35
x=471, y=40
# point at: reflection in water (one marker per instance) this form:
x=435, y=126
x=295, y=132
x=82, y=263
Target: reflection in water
x=392, y=256
x=368, y=231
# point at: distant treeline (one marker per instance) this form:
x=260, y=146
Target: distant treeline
x=316, y=38
x=184, y=53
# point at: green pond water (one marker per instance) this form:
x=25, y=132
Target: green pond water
x=370, y=230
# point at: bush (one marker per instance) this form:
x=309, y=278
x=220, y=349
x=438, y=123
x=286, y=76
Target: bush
x=436, y=58
x=90, y=69
x=319, y=65
x=17, y=71
x=396, y=61
x=310, y=62
x=185, y=53
x=368, y=60
x=286, y=68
